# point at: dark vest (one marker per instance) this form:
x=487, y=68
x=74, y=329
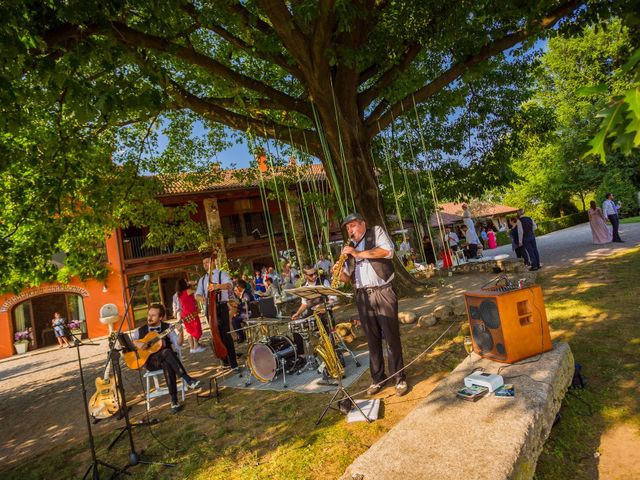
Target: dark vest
x=382, y=266
x=312, y=302
x=144, y=329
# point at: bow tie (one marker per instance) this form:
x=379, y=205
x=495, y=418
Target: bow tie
x=154, y=329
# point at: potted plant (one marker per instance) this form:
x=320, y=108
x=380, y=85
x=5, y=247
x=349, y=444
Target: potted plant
x=21, y=341
x=76, y=328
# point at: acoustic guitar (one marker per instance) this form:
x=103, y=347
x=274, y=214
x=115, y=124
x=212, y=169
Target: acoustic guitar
x=106, y=401
x=145, y=347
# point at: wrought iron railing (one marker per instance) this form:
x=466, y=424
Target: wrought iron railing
x=134, y=247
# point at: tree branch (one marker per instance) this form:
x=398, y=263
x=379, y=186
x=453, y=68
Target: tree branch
x=237, y=42
x=135, y=38
x=293, y=39
x=378, y=121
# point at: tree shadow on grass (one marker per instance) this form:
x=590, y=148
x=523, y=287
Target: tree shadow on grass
x=594, y=307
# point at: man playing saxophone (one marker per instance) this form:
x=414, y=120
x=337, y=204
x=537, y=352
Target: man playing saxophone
x=370, y=269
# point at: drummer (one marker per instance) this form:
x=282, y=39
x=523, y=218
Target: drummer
x=312, y=279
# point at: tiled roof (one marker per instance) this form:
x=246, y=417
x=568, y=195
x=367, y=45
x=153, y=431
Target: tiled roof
x=229, y=179
x=477, y=209
x=451, y=212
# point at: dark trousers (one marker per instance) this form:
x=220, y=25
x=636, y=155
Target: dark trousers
x=471, y=250
x=522, y=253
x=237, y=322
x=378, y=311
x=167, y=361
x=531, y=247
x=615, y=223
x=223, y=327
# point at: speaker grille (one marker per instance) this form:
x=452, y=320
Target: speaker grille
x=482, y=337
x=490, y=314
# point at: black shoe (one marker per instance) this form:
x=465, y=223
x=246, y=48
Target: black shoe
x=176, y=407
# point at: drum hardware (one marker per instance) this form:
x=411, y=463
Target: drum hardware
x=276, y=354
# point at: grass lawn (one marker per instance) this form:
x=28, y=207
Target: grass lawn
x=271, y=435
x=630, y=220
x=259, y=435
x=594, y=307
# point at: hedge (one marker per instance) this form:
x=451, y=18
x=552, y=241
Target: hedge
x=549, y=226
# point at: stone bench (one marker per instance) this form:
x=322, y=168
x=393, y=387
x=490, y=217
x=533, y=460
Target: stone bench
x=494, y=438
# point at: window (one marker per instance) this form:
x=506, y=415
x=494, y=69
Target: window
x=231, y=226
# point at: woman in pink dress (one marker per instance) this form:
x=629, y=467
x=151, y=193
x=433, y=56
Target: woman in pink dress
x=189, y=315
x=492, y=239
x=599, y=231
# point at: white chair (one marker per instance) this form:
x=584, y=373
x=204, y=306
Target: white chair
x=159, y=391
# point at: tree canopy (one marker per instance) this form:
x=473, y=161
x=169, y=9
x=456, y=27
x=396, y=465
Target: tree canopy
x=95, y=78
x=556, y=125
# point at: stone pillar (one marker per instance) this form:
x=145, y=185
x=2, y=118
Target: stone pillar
x=215, y=227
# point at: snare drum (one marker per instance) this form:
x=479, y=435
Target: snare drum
x=303, y=325
x=266, y=357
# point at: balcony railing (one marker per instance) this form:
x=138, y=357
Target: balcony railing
x=133, y=247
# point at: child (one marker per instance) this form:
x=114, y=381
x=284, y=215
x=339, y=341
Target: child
x=189, y=315
x=58, y=328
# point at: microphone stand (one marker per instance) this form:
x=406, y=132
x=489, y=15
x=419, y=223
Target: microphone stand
x=95, y=461
x=114, y=358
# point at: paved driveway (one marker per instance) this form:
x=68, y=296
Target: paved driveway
x=573, y=245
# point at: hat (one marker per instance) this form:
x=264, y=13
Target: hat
x=309, y=270
x=352, y=217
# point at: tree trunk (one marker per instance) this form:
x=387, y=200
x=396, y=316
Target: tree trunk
x=360, y=173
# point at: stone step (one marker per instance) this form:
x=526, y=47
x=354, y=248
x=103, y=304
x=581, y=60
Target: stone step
x=494, y=438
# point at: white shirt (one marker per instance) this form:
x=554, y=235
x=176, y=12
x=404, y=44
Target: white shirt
x=609, y=208
x=325, y=265
x=470, y=234
x=203, y=284
x=326, y=283
x=366, y=276
x=404, y=248
x=453, y=239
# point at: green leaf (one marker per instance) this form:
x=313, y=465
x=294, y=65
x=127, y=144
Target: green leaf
x=592, y=90
x=635, y=58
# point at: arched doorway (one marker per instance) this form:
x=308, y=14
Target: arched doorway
x=36, y=313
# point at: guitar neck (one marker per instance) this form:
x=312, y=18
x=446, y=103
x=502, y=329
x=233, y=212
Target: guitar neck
x=161, y=335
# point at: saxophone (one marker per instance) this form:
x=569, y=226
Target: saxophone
x=327, y=353
x=338, y=268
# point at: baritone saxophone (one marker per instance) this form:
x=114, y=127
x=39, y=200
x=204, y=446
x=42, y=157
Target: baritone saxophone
x=327, y=352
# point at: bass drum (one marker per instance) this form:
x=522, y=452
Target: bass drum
x=266, y=356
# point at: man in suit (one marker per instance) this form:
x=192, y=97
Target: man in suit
x=528, y=239
x=610, y=210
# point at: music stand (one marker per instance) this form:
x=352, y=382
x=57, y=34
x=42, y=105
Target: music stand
x=320, y=292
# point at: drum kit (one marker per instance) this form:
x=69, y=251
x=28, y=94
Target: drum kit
x=279, y=354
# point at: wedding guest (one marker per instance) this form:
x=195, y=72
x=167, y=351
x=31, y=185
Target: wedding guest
x=59, y=327
x=491, y=235
x=597, y=221
x=610, y=210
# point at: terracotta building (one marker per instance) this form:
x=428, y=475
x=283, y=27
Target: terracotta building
x=227, y=204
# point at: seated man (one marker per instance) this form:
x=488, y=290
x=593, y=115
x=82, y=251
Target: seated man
x=166, y=358
x=311, y=275
x=243, y=313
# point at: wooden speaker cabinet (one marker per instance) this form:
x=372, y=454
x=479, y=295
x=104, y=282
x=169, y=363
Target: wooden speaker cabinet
x=508, y=325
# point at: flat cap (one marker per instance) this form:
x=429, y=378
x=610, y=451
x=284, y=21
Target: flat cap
x=352, y=217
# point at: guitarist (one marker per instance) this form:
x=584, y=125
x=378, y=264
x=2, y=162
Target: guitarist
x=219, y=285
x=166, y=358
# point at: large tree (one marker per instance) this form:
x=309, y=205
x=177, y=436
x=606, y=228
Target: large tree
x=325, y=76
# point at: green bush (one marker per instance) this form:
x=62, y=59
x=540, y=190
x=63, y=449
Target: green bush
x=554, y=224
